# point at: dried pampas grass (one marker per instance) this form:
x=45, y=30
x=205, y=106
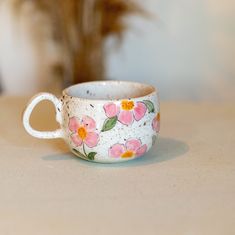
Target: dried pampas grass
x=81, y=27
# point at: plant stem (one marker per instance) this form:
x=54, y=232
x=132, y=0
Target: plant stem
x=84, y=149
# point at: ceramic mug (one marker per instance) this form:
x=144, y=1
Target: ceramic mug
x=103, y=121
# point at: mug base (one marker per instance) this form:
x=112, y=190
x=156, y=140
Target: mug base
x=102, y=161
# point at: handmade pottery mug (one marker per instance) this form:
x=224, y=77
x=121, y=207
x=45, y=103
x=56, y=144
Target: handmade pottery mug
x=103, y=121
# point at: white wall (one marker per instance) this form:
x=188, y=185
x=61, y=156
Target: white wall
x=26, y=59
x=187, y=51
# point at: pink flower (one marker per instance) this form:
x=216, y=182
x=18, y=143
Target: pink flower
x=156, y=123
x=84, y=131
x=126, y=112
x=132, y=148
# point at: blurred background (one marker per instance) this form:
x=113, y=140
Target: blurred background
x=184, y=47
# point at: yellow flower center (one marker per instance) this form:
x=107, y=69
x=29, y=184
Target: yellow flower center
x=82, y=132
x=127, y=154
x=158, y=117
x=127, y=105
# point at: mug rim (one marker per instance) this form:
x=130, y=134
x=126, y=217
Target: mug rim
x=153, y=88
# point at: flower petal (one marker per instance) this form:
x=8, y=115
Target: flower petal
x=111, y=109
x=141, y=151
x=116, y=150
x=156, y=124
x=92, y=139
x=139, y=110
x=76, y=139
x=89, y=123
x=73, y=124
x=125, y=117
x=133, y=144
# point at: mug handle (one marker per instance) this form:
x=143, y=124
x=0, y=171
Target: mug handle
x=28, y=110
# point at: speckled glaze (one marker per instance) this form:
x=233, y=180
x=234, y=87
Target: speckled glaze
x=105, y=121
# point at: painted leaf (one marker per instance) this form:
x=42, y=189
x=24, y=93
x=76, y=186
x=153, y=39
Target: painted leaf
x=150, y=106
x=154, y=138
x=109, y=123
x=91, y=155
x=79, y=154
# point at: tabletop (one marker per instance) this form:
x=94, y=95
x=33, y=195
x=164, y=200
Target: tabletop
x=184, y=185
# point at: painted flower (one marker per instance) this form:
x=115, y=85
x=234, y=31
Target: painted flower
x=156, y=123
x=126, y=112
x=132, y=148
x=83, y=131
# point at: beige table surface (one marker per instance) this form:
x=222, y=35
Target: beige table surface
x=184, y=185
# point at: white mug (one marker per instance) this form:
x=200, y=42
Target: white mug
x=103, y=121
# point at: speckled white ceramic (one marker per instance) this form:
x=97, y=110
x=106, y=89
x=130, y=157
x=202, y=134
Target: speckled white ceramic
x=103, y=121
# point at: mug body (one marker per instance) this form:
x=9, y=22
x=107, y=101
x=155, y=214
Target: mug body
x=110, y=121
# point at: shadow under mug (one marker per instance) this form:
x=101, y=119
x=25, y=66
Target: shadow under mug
x=103, y=121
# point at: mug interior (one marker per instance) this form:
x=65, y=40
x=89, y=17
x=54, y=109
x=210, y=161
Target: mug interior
x=106, y=90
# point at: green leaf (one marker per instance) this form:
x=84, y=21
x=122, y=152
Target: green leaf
x=79, y=154
x=154, y=138
x=91, y=155
x=150, y=106
x=109, y=123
